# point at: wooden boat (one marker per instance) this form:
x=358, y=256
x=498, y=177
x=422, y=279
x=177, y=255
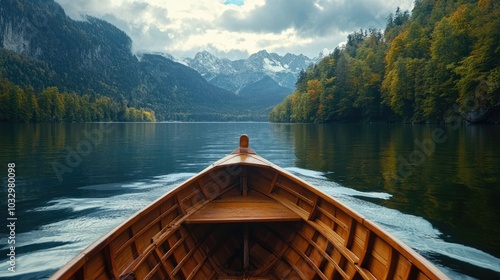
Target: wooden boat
x=246, y=218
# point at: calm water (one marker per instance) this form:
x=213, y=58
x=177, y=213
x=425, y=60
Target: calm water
x=436, y=188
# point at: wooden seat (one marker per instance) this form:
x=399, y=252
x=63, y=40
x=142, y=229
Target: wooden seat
x=239, y=209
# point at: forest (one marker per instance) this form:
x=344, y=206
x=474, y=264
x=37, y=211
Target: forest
x=18, y=105
x=92, y=61
x=439, y=64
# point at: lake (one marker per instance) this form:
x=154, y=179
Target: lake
x=434, y=187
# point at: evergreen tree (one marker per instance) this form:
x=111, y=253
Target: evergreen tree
x=446, y=54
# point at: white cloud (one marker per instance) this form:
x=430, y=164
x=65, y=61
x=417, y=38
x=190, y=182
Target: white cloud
x=183, y=28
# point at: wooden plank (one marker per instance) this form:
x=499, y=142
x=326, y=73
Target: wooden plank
x=178, y=201
x=288, y=188
x=157, y=266
x=182, y=261
x=309, y=261
x=201, y=186
x=246, y=250
x=196, y=269
x=365, y=274
x=290, y=205
x=333, y=218
x=361, y=245
x=326, y=256
x=325, y=231
x=314, y=210
x=292, y=261
x=403, y=268
x=132, y=267
x=110, y=261
x=241, y=209
x=244, y=181
x=273, y=184
x=95, y=267
x=136, y=235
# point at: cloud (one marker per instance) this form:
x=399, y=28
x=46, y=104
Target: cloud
x=308, y=18
x=147, y=23
x=272, y=17
x=237, y=27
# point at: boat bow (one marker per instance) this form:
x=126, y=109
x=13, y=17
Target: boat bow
x=246, y=218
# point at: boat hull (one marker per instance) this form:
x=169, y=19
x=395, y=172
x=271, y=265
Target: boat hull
x=246, y=218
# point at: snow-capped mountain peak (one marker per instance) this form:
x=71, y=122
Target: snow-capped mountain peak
x=209, y=65
x=234, y=75
x=273, y=66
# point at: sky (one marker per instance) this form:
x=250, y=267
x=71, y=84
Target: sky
x=235, y=29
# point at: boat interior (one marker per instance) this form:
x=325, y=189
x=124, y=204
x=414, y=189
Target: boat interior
x=246, y=221
x=245, y=218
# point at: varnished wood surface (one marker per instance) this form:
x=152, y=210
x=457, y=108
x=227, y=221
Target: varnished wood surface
x=246, y=218
x=243, y=209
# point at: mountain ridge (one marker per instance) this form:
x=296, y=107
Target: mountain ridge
x=234, y=75
x=94, y=57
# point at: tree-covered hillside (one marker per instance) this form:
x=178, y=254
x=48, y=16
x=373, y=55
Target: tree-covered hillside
x=92, y=60
x=22, y=105
x=439, y=64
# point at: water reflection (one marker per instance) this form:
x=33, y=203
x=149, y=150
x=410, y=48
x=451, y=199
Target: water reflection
x=455, y=185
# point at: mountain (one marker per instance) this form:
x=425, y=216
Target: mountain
x=79, y=52
x=182, y=93
x=42, y=47
x=209, y=66
x=265, y=92
x=242, y=74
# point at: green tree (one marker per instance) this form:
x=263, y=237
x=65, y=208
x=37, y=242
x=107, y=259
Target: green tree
x=446, y=53
x=51, y=104
x=478, y=85
x=14, y=104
